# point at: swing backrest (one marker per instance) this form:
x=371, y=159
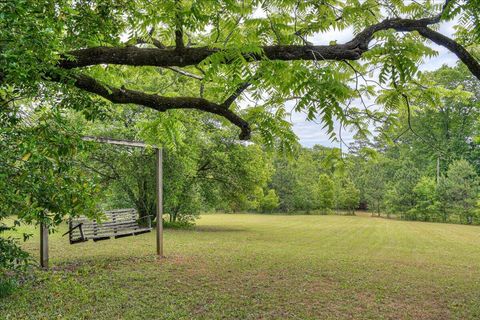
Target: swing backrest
x=116, y=223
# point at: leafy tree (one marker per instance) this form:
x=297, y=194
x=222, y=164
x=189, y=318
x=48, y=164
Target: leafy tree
x=203, y=169
x=373, y=183
x=445, y=131
x=462, y=189
x=443, y=197
x=426, y=205
x=400, y=197
x=269, y=202
x=285, y=184
x=39, y=179
x=226, y=48
x=347, y=195
x=325, y=193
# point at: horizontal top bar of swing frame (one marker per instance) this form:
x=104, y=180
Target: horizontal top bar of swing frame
x=128, y=143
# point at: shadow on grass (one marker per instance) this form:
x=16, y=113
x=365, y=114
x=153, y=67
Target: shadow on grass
x=218, y=229
x=92, y=265
x=89, y=264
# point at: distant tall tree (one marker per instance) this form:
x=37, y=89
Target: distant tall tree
x=461, y=190
x=285, y=183
x=426, y=207
x=446, y=130
x=374, y=180
x=347, y=195
x=325, y=193
x=400, y=197
x=306, y=174
x=269, y=202
x=443, y=197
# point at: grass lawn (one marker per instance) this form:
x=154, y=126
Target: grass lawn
x=263, y=266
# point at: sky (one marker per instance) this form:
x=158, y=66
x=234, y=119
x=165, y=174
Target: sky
x=311, y=133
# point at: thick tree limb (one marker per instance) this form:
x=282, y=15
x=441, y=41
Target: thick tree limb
x=134, y=56
x=352, y=50
x=169, y=57
x=156, y=102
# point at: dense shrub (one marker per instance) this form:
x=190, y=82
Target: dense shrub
x=14, y=262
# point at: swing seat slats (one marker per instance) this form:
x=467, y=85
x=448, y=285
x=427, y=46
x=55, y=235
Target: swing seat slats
x=116, y=224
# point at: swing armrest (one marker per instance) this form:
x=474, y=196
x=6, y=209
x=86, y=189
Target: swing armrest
x=71, y=229
x=149, y=217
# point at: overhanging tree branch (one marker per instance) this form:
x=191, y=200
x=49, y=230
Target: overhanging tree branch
x=169, y=57
x=472, y=64
x=159, y=103
x=352, y=50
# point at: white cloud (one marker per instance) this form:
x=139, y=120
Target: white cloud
x=324, y=38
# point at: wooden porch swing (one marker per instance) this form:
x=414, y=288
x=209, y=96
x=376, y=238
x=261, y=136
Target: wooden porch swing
x=118, y=223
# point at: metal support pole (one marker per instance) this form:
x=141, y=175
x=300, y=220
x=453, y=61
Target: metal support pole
x=159, y=196
x=43, y=246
